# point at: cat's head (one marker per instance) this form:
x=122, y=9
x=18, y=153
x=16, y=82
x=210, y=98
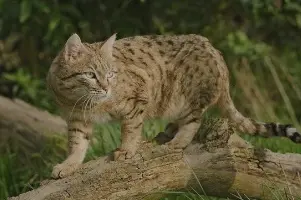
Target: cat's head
x=80, y=72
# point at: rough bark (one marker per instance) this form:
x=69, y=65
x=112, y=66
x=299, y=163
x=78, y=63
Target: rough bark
x=224, y=165
x=26, y=125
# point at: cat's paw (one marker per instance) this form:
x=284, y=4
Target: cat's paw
x=121, y=154
x=64, y=169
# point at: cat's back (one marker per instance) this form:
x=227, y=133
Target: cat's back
x=168, y=39
x=161, y=42
x=163, y=50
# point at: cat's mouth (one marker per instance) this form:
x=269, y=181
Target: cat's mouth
x=100, y=96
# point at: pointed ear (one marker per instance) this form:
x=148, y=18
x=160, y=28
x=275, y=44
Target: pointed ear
x=107, y=47
x=73, y=48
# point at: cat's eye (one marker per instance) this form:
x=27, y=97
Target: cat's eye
x=110, y=74
x=90, y=75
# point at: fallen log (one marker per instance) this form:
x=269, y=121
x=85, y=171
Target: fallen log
x=223, y=165
x=26, y=125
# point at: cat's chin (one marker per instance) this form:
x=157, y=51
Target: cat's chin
x=103, y=97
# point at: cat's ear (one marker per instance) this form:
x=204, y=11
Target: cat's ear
x=73, y=48
x=107, y=46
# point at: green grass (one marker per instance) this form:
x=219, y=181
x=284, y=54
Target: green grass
x=20, y=172
x=281, y=145
x=20, y=175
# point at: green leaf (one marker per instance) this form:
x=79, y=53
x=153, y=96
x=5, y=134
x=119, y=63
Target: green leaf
x=9, y=77
x=71, y=10
x=53, y=24
x=42, y=6
x=298, y=20
x=1, y=4
x=25, y=10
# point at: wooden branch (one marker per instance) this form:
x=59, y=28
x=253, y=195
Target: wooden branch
x=224, y=164
x=26, y=125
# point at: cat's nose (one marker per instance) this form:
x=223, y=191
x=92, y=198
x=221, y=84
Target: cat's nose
x=105, y=88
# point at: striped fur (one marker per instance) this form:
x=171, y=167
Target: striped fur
x=138, y=78
x=283, y=130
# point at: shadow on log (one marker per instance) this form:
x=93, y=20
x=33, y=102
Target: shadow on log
x=223, y=165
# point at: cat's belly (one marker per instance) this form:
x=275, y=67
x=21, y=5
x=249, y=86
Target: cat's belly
x=175, y=108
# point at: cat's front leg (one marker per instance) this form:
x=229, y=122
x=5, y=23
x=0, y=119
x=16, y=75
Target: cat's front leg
x=131, y=130
x=79, y=134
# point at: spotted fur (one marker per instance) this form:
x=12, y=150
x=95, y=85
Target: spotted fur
x=138, y=78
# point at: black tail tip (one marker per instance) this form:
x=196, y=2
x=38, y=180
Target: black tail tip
x=295, y=137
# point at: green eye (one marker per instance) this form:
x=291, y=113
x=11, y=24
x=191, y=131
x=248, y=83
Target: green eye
x=110, y=75
x=90, y=75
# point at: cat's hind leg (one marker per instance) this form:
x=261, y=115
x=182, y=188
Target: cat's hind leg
x=187, y=128
x=169, y=133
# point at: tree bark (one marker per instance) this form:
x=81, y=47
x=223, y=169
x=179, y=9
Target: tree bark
x=223, y=165
x=26, y=125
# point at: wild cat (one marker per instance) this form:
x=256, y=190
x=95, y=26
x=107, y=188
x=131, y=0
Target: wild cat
x=138, y=78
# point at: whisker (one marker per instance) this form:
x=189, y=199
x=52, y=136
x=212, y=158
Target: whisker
x=92, y=102
x=83, y=105
x=87, y=103
x=75, y=105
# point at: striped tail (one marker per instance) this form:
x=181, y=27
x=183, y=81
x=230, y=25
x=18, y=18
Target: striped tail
x=252, y=127
x=283, y=130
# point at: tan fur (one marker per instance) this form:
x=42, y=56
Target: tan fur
x=174, y=77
